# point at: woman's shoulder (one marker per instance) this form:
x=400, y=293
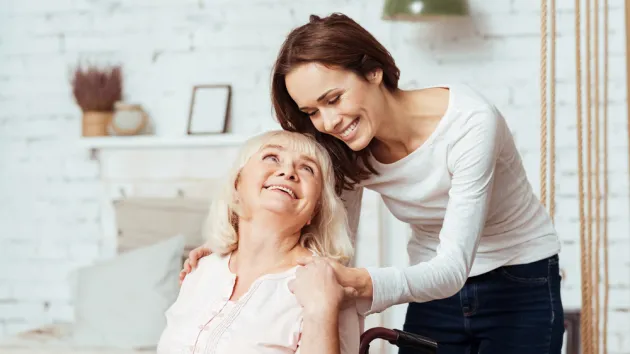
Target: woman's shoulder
x=470, y=108
x=466, y=98
x=213, y=265
x=214, y=259
x=202, y=286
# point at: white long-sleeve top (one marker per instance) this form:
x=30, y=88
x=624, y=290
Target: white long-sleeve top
x=466, y=196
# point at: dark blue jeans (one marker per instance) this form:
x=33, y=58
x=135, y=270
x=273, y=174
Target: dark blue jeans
x=511, y=310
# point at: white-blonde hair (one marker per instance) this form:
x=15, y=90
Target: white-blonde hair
x=327, y=235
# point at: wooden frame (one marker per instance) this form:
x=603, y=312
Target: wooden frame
x=222, y=126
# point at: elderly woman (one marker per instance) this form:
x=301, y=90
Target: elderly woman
x=279, y=205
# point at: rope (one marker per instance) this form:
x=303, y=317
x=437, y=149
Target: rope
x=585, y=318
x=552, y=117
x=589, y=152
x=627, y=6
x=597, y=334
x=543, y=102
x=544, y=110
x=605, y=230
x=589, y=176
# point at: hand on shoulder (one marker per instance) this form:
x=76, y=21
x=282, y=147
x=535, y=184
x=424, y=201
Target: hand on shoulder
x=193, y=260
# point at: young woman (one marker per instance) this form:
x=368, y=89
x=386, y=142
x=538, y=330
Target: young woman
x=484, y=273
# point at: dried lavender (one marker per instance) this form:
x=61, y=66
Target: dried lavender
x=97, y=89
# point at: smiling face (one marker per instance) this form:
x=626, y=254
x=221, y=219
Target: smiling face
x=339, y=102
x=283, y=179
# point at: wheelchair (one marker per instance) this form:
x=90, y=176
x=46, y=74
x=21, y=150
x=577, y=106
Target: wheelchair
x=399, y=338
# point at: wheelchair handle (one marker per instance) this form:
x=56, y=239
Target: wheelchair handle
x=406, y=339
x=398, y=338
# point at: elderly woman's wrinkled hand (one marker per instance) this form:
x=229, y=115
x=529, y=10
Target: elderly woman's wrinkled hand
x=316, y=288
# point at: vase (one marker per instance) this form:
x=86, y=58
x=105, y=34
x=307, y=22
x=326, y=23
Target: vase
x=128, y=119
x=95, y=123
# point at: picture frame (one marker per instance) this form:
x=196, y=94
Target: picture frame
x=209, y=109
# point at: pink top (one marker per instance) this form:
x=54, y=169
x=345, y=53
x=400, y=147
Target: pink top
x=265, y=320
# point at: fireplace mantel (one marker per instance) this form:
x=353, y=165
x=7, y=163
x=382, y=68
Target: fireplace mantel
x=95, y=144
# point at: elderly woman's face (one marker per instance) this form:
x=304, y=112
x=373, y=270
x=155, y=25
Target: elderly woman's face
x=281, y=180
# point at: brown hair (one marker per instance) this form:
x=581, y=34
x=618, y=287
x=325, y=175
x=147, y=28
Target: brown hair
x=334, y=41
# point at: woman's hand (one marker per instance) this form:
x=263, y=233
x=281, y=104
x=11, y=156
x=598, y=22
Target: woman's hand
x=317, y=289
x=356, y=282
x=320, y=296
x=192, y=261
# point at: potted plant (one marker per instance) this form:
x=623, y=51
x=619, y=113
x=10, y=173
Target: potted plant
x=96, y=90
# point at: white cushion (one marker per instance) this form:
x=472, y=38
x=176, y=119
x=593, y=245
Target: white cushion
x=120, y=303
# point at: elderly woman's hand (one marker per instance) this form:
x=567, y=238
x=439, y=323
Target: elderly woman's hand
x=356, y=282
x=317, y=289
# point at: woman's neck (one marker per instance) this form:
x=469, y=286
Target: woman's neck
x=265, y=247
x=408, y=119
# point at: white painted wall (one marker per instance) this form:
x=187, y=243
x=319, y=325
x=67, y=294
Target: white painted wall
x=50, y=212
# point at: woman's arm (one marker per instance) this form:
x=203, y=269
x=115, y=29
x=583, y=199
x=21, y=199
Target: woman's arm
x=336, y=332
x=320, y=333
x=351, y=325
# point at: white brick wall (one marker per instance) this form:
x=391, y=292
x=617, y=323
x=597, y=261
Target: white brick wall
x=49, y=187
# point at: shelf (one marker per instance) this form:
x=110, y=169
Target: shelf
x=152, y=141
